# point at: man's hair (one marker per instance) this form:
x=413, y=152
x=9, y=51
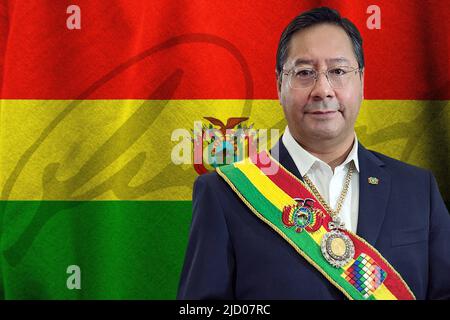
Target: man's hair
x=322, y=15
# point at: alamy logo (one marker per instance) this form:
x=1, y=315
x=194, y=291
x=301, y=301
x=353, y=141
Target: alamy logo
x=74, y=280
x=216, y=143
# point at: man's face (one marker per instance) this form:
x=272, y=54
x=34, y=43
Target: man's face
x=321, y=112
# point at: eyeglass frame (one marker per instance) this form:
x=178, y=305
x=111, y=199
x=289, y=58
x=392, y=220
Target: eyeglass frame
x=356, y=69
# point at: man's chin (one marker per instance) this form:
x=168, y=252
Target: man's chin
x=318, y=132
x=326, y=135
x=326, y=132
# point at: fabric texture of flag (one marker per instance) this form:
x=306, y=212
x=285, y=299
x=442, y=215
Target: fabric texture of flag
x=87, y=117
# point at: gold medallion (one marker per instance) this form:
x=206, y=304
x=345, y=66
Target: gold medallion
x=337, y=248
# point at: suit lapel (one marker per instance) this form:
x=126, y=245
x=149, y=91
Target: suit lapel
x=280, y=153
x=373, y=198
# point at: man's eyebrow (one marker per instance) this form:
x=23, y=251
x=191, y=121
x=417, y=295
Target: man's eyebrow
x=303, y=61
x=300, y=61
x=338, y=60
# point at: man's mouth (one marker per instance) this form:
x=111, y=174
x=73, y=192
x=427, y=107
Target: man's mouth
x=323, y=112
x=328, y=114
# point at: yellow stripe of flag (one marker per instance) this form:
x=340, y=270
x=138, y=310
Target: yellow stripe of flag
x=145, y=171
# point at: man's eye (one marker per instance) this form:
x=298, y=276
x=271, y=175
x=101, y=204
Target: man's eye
x=337, y=72
x=304, y=73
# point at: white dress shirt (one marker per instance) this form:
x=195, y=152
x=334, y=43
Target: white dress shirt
x=329, y=184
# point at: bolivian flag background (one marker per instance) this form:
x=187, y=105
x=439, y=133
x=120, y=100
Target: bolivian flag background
x=92, y=205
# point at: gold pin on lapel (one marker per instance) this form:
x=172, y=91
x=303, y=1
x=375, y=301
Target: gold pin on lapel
x=373, y=180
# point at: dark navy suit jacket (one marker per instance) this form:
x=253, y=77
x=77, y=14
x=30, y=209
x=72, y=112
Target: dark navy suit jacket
x=232, y=254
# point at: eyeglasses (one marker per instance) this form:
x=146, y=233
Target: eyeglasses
x=300, y=77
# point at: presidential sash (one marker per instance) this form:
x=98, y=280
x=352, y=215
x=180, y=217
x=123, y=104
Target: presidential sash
x=289, y=207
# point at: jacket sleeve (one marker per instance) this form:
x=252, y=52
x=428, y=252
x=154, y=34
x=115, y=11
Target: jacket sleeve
x=439, y=249
x=208, y=269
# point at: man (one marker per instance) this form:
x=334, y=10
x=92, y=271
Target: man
x=247, y=246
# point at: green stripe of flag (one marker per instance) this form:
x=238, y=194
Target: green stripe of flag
x=125, y=249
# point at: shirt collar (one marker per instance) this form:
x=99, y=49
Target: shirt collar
x=305, y=160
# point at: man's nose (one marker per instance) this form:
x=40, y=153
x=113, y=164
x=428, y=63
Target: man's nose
x=322, y=88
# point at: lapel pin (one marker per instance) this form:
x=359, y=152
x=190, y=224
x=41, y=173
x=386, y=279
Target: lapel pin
x=373, y=180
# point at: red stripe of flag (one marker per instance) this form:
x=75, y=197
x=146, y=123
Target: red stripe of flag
x=406, y=59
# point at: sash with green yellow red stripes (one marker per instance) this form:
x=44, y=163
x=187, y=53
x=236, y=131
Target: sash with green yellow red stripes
x=269, y=193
